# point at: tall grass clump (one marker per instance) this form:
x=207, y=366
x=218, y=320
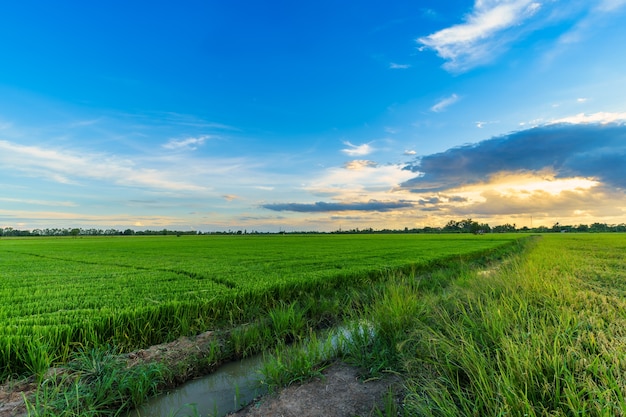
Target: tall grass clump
x=287, y=321
x=301, y=361
x=95, y=383
x=538, y=337
x=371, y=340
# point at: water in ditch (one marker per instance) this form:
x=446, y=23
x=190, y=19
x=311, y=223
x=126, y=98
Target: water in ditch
x=230, y=387
x=234, y=384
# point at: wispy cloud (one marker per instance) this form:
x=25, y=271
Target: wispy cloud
x=83, y=123
x=393, y=65
x=39, y=202
x=600, y=117
x=72, y=167
x=187, y=143
x=481, y=124
x=590, y=16
x=180, y=119
x=475, y=41
x=430, y=14
x=357, y=150
x=48, y=218
x=610, y=5
x=443, y=104
x=321, y=206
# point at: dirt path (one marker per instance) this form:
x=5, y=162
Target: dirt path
x=11, y=400
x=340, y=393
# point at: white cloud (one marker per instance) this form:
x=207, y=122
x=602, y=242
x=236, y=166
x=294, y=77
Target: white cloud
x=481, y=124
x=188, y=143
x=393, y=65
x=410, y=152
x=357, y=150
x=474, y=42
x=430, y=14
x=39, y=202
x=361, y=181
x=45, y=218
x=444, y=103
x=71, y=167
x=83, y=123
x=600, y=117
x=360, y=164
x=610, y=5
x=595, y=16
x=581, y=100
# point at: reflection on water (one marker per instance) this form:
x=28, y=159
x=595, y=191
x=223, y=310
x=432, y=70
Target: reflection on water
x=227, y=389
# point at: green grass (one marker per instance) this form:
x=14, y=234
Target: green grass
x=95, y=383
x=60, y=294
x=476, y=326
x=542, y=336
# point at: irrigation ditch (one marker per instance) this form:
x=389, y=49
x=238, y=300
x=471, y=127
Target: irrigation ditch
x=236, y=384
x=223, y=391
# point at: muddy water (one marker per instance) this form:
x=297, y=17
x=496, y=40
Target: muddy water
x=227, y=389
x=235, y=384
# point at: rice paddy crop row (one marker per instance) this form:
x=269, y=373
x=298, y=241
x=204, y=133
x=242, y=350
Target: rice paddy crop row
x=59, y=294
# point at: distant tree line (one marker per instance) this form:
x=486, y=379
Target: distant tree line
x=453, y=226
x=472, y=226
x=9, y=231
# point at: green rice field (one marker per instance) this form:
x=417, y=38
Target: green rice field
x=492, y=325
x=61, y=294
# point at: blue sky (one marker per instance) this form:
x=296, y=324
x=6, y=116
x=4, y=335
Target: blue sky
x=284, y=115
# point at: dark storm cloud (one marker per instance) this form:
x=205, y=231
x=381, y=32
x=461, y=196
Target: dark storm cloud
x=321, y=206
x=597, y=151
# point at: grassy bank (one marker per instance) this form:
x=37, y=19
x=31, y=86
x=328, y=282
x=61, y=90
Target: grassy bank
x=541, y=334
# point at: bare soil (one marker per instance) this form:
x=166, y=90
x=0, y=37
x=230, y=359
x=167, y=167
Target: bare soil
x=11, y=400
x=340, y=392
